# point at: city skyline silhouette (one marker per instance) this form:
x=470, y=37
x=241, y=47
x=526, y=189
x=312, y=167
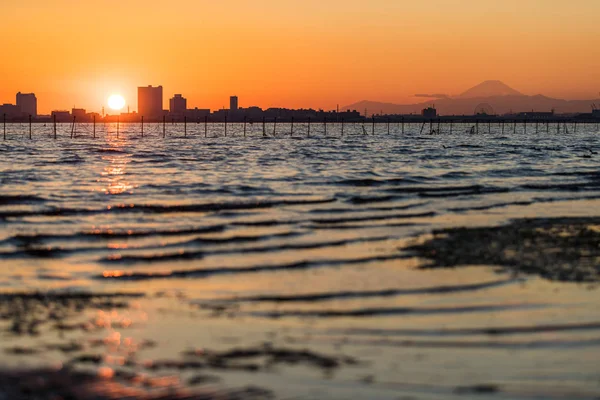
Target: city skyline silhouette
x=499, y=99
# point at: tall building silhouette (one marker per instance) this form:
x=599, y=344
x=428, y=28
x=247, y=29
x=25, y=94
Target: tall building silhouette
x=28, y=103
x=178, y=104
x=233, y=103
x=150, y=101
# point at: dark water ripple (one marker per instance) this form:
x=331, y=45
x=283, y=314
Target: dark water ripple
x=394, y=311
x=318, y=297
x=491, y=331
x=208, y=272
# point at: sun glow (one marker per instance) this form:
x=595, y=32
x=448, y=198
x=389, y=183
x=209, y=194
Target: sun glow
x=116, y=102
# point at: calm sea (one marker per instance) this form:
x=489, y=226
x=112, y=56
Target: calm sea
x=295, y=242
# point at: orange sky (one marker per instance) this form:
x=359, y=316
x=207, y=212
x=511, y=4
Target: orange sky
x=294, y=53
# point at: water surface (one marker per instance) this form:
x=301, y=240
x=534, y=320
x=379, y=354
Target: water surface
x=296, y=242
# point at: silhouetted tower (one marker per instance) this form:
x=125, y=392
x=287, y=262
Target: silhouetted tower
x=233, y=103
x=150, y=101
x=178, y=105
x=28, y=103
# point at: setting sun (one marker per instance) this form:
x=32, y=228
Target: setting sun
x=116, y=102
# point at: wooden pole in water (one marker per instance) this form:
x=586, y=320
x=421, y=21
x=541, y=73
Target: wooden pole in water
x=244, y=126
x=73, y=127
x=430, y=126
x=503, y=127
x=403, y=125
x=342, y=126
x=547, y=127
x=388, y=125
x=164, y=126
x=275, y=126
x=292, y=128
x=438, y=128
x=373, y=125
x=308, y=130
x=264, y=127
x=515, y=126
x=451, y=125
x=185, y=126
x=54, y=120
x=536, y=127
x=94, y=125
x=4, y=125
x=524, y=126
x=225, y=126
x=29, y=126
x=325, y=125
x=118, y=121
x=422, y=127
x=142, y=126
x=489, y=127
x=206, y=126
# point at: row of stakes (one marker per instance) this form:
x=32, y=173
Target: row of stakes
x=432, y=130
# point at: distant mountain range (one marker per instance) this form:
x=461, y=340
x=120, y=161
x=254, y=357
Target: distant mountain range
x=500, y=97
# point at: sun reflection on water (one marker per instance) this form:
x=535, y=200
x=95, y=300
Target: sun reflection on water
x=114, y=173
x=114, y=176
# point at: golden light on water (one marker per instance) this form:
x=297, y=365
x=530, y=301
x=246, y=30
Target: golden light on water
x=114, y=176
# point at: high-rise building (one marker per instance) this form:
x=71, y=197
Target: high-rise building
x=233, y=103
x=28, y=103
x=178, y=105
x=150, y=101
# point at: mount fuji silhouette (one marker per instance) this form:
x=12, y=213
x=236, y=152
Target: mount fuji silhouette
x=489, y=89
x=501, y=97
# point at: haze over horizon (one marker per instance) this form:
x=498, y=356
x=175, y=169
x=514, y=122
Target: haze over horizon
x=295, y=54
